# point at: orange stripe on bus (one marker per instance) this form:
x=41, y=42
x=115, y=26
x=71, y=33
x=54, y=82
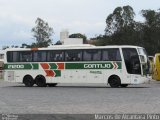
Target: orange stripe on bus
x=34, y=49
x=60, y=66
x=45, y=65
x=49, y=73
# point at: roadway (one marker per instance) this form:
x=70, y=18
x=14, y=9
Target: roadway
x=79, y=99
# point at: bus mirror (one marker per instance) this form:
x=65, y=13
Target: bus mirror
x=143, y=59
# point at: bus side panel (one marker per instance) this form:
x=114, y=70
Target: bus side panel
x=95, y=76
x=71, y=76
x=9, y=76
x=20, y=74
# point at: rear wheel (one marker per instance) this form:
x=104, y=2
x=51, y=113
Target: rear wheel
x=124, y=85
x=28, y=81
x=40, y=81
x=114, y=81
x=52, y=84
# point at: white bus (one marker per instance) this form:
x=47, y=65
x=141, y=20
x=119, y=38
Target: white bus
x=114, y=65
x=1, y=63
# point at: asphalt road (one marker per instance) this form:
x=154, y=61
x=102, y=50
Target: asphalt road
x=79, y=99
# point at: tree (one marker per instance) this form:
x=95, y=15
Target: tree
x=121, y=17
x=24, y=45
x=120, y=26
x=151, y=29
x=122, y=29
x=58, y=43
x=79, y=35
x=42, y=34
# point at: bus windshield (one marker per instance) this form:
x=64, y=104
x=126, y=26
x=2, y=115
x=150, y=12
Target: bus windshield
x=132, y=61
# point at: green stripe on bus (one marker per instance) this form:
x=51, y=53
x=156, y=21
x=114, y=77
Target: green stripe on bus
x=53, y=66
x=57, y=73
x=35, y=66
x=21, y=66
x=106, y=65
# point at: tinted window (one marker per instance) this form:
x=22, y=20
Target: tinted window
x=26, y=56
x=111, y=55
x=12, y=56
x=67, y=55
x=55, y=56
x=131, y=59
x=39, y=56
x=73, y=55
x=92, y=55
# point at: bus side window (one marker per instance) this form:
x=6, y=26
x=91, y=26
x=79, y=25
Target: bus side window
x=73, y=55
x=52, y=57
x=111, y=54
x=92, y=55
x=13, y=56
x=105, y=55
x=97, y=55
x=25, y=56
x=59, y=56
x=86, y=55
x=55, y=56
x=39, y=56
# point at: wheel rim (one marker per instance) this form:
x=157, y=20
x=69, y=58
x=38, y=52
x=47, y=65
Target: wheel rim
x=114, y=82
x=28, y=81
x=40, y=81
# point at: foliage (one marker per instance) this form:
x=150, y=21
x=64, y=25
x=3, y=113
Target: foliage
x=151, y=29
x=42, y=34
x=24, y=45
x=58, y=43
x=120, y=18
x=120, y=26
x=78, y=35
x=122, y=29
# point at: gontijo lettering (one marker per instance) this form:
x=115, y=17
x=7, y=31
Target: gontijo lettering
x=97, y=66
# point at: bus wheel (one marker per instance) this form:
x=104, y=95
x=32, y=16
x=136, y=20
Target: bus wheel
x=52, y=84
x=40, y=81
x=124, y=85
x=28, y=81
x=114, y=81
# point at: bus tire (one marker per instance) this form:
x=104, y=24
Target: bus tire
x=28, y=81
x=40, y=81
x=124, y=85
x=52, y=84
x=114, y=81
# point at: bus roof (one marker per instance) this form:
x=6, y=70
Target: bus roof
x=61, y=47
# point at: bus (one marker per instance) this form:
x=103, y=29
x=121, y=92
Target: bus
x=118, y=66
x=151, y=62
x=1, y=63
x=156, y=67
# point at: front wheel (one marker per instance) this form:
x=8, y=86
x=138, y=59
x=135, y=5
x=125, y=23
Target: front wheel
x=114, y=81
